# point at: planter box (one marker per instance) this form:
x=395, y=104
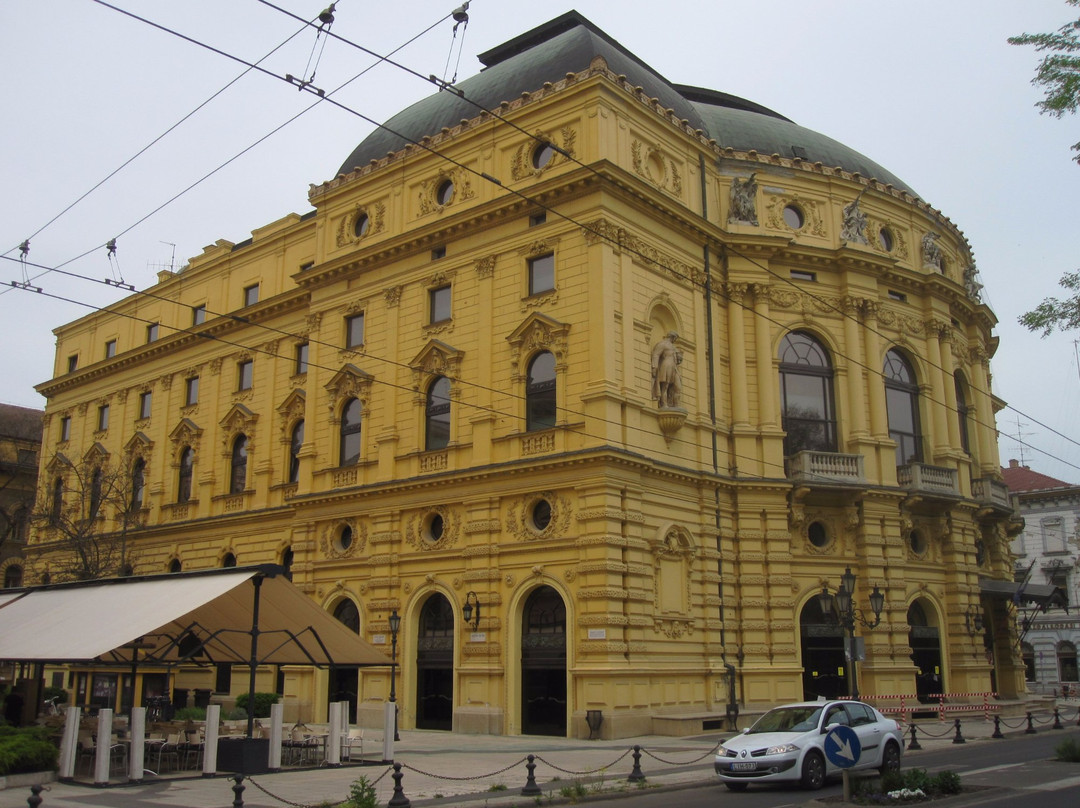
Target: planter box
x=244, y=755
x=26, y=780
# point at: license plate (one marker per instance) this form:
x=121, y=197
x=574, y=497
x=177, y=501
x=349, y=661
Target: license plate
x=743, y=767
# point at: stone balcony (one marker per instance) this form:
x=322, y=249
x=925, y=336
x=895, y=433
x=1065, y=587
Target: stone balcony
x=815, y=468
x=932, y=481
x=991, y=493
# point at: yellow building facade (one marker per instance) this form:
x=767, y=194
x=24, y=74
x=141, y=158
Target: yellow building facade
x=634, y=370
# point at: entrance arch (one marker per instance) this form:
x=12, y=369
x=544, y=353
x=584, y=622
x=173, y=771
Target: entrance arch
x=344, y=679
x=924, y=637
x=543, y=664
x=824, y=671
x=435, y=665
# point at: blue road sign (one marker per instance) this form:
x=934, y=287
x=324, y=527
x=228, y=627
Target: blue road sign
x=842, y=747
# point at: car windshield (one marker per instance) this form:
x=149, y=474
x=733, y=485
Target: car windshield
x=788, y=719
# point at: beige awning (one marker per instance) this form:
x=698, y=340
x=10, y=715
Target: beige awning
x=197, y=617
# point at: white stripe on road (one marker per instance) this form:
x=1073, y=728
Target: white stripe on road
x=1056, y=785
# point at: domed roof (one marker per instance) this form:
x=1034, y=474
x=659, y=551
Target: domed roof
x=568, y=44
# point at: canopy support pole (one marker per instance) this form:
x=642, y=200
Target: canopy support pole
x=253, y=663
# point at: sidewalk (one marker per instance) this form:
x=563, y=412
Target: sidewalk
x=484, y=770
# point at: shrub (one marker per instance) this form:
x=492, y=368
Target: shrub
x=193, y=714
x=262, y=703
x=1068, y=750
x=26, y=749
x=237, y=714
x=946, y=782
x=361, y=794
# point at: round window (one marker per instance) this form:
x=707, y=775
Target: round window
x=917, y=542
x=363, y=222
x=445, y=192
x=541, y=514
x=434, y=528
x=542, y=155
x=344, y=539
x=793, y=217
x=817, y=534
x=886, y=237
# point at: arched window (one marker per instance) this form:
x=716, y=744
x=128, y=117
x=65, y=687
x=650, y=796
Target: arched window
x=350, y=433
x=902, y=404
x=963, y=411
x=1066, y=655
x=229, y=560
x=437, y=426
x=806, y=395
x=13, y=576
x=347, y=614
x=96, y=482
x=295, y=442
x=57, y=509
x=187, y=465
x=175, y=565
x=540, y=393
x=238, y=476
x=138, y=484
x=287, y=562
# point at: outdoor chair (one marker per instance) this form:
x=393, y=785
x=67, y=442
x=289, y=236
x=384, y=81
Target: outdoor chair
x=353, y=740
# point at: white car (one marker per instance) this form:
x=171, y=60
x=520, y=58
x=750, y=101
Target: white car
x=787, y=744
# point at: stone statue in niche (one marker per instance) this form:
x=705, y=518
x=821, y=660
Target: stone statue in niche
x=666, y=382
x=743, y=201
x=931, y=252
x=854, y=226
x=971, y=283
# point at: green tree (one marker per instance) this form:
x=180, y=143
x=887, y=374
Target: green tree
x=1059, y=71
x=1054, y=313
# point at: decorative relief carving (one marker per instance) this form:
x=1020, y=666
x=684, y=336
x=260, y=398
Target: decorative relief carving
x=932, y=257
x=376, y=214
x=485, y=267
x=651, y=163
x=521, y=161
x=239, y=420
x=673, y=629
x=519, y=520
x=853, y=228
x=643, y=251
x=743, y=201
x=433, y=461
x=434, y=529
x=429, y=189
x=811, y=208
x=900, y=243
x=330, y=539
x=535, y=444
x=291, y=410
x=349, y=382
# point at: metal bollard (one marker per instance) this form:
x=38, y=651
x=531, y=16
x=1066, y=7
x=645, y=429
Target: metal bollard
x=1030, y=727
x=238, y=790
x=399, y=800
x=531, y=788
x=636, y=775
x=914, y=744
x=997, y=728
x=1057, y=720
x=34, y=800
x=959, y=738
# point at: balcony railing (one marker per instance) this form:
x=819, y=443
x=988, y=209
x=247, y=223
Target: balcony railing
x=988, y=491
x=924, y=479
x=827, y=468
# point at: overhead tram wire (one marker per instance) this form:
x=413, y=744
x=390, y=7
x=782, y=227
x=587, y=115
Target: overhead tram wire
x=204, y=334
x=443, y=85
x=151, y=144
x=511, y=191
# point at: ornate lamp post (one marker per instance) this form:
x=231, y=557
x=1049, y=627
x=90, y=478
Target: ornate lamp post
x=471, y=607
x=847, y=615
x=395, y=626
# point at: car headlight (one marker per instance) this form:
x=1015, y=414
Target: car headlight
x=783, y=749
x=723, y=751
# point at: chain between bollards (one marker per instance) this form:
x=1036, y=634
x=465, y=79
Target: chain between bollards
x=958, y=738
x=997, y=728
x=531, y=788
x=1030, y=725
x=914, y=744
x=636, y=775
x=399, y=800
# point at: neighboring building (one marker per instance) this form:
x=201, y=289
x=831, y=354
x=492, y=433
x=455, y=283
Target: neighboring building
x=1047, y=555
x=20, y=445
x=599, y=431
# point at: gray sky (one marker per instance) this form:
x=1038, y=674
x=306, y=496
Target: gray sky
x=927, y=88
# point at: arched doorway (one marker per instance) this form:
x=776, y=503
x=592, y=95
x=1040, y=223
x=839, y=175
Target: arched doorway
x=435, y=665
x=344, y=680
x=925, y=642
x=824, y=671
x=543, y=664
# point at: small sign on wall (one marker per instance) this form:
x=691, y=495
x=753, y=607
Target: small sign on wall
x=378, y=639
x=478, y=636
x=597, y=633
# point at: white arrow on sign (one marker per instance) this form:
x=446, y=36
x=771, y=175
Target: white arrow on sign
x=843, y=748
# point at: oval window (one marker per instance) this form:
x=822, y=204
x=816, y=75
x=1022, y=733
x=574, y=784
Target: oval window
x=793, y=217
x=363, y=222
x=542, y=155
x=541, y=514
x=886, y=237
x=445, y=192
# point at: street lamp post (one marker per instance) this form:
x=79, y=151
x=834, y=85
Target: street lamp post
x=395, y=626
x=847, y=615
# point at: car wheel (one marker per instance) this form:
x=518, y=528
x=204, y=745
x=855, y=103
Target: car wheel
x=736, y=786
x=813, y=771
x=890, y=759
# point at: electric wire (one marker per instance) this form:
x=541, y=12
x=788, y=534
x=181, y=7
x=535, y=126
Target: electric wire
x=524, y=197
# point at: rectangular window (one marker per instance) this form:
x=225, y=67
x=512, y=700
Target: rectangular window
x=437, y=253
x=541, y=274
x=103, y=417
x=110, y=349
x=65, y=428
x=191, y=391
x=354, y=331
x=537, y=218
x=251, y=294
x=301, y=358
x=198, y=314
x=897, y=296
x=152, y=332
x=800, y=275
x=440, y=304
x=73, y=363
x=223, y=677
x=244, y=375
x=144, y=404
